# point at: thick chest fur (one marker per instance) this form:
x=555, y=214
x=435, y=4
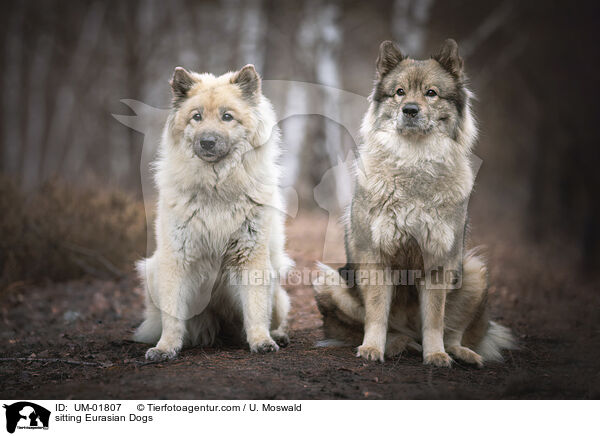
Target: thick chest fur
x=416, y=210
x=201, y=227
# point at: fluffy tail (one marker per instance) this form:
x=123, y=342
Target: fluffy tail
x=331, y=343
x=496, y=339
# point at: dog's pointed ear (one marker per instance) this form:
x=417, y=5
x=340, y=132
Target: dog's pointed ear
x=181, y=82
x=449, y=58
x=248, y=80
x=389, y=57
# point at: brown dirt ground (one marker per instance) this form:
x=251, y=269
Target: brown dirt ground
x=554, y=314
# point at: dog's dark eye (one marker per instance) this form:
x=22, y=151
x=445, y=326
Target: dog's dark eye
x=197, y=117
x=227, y=117
x=400, y=91
x=430, y=93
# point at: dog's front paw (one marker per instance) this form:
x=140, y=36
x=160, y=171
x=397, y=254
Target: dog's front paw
x=264, y=346
x=466, y=355
x=281, y=338
x=157, y=355
x=370, y=352
x=439, y=359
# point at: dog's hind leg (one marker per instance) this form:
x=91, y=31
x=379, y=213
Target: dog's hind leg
x=281, y=264
x=279, y=319
x=332, y=293
x=464, y=306
x=150, y=329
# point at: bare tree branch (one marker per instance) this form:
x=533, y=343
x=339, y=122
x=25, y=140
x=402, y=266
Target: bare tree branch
x=50, y=360
x=492, y=23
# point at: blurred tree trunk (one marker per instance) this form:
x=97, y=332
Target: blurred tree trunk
x=13, y=77
x=409, y=25
x=319, y=40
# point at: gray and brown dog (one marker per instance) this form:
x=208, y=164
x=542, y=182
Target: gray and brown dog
x=408, y=214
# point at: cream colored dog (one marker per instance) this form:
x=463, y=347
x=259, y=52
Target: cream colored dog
x=219, y=228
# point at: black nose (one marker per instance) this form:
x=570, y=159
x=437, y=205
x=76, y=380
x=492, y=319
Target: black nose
x=410, y=109
x=208, y=143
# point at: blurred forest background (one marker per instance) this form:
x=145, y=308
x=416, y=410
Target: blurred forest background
x=70, y=184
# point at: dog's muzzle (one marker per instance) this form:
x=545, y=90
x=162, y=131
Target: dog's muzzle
x=410, y=110
x=412, y=120
x=210, y=147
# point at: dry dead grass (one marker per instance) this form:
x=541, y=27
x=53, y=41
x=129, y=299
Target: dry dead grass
x=62, y=232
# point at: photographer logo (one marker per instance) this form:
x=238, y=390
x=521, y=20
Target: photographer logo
x=26, y=415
